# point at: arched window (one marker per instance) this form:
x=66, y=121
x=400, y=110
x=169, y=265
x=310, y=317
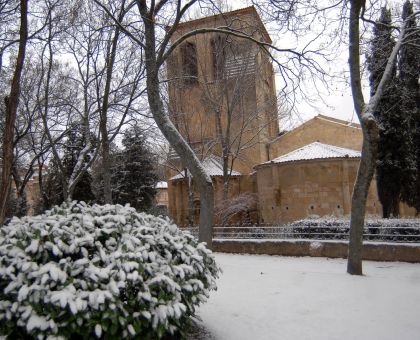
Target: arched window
x=189, y=62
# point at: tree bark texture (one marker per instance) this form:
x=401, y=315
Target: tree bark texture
x=43, y=104
x=11, y=111
x=106, y=162
x=358, y=208
x=370, y=136
x=175, y=139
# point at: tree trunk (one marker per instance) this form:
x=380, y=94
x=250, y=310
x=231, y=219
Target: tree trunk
x=395, y=208
x=106, y=166
x=226, y=175
x=224, y=140
x=106, y=162
x=370, y=135
x=360, y=191
x=44, y=103
x=175, y=139
x=44, y=196
x=11, y=111
x=20, y=185
x=190, y=208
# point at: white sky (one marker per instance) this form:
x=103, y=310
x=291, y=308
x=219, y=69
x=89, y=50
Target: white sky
x=337, y=101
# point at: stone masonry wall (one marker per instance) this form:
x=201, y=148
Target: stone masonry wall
x=371, y=251
x=323, y=129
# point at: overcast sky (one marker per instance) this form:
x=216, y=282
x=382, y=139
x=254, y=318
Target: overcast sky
x=336, y=101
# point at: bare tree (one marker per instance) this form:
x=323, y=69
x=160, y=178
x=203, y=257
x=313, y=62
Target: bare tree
x=369, y=124
x=239, y=208
x=110, y=83
x=102, y=98
x=155, y=56
x=296, y=16
x=308, y=35
x=110, y=61
x=11, y=109
x=98, y=87
x=240, y=124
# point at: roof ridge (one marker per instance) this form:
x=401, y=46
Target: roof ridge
x=228, y=13
x=336, y=147
x=213, y=166
x=337, y=120
x=313, y=151
x=250, y=9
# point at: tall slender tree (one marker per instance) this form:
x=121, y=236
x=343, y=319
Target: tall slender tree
x=394, y=148
x=369, y=123
x=11, y=109
x=409, y=91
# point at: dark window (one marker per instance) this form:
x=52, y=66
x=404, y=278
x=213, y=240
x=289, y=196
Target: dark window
x=189, y=62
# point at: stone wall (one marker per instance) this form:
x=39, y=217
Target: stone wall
x=162, y=197
x=178, y=197
x=292, y=191
x=323, y=129
x=245, y=101
x=371, y=251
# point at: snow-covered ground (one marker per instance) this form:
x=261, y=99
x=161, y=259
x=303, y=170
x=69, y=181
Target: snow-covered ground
x=271, y=297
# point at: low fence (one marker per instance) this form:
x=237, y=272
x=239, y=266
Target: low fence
x=375, y=230
x=384, y=240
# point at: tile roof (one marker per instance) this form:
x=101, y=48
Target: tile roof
x=213, y=166
x=316, y=150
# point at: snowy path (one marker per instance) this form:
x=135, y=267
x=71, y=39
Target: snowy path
x=271, y=297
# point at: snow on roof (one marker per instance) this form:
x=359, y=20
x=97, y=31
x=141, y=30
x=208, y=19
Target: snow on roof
x=316, y=150
x=213, y=166
x=162, y=185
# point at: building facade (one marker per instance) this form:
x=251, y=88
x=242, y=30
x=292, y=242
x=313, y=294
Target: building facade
x=221, y=89
x=222, y=99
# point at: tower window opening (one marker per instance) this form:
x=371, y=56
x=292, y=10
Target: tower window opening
x=189, y=62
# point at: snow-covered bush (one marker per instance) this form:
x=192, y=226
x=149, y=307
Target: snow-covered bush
x=99, y=271
x=375, y=229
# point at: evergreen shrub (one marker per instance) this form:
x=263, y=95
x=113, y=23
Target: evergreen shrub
x=81, y=271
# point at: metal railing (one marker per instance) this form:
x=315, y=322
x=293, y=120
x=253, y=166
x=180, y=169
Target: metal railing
x=374, y=231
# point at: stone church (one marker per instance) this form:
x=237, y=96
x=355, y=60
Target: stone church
x=222, y=98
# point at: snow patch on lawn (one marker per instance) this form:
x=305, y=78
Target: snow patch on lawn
x=273, y=297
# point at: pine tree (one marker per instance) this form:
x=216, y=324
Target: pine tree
x=393, y=169
x=134, y=176
x=98, y=171
x=381, y=47
x=53, y=186
x=75, y=144
x=409, y=90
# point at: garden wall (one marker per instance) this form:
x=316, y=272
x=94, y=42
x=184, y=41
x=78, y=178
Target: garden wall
x=371, y=251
